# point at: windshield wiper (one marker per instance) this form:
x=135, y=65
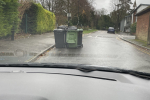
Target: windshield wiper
x=136, y=73
x=83, y=68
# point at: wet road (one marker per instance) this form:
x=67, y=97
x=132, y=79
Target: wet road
x=102, y=49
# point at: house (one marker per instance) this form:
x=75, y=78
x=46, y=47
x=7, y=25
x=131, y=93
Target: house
x=143, y=25
x=131, y=18
x=127, y=23
x=137, y=10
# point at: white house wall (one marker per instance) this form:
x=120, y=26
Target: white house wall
x=122, y=25
x=125, y=23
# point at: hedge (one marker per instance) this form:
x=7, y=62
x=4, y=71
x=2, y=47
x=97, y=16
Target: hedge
x=39, y=20
x=133, y=28
x=8, y=17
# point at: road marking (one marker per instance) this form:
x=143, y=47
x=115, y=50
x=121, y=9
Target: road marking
x=89, y=36
x=142, y=50
x=96, y=36
x=117, y=37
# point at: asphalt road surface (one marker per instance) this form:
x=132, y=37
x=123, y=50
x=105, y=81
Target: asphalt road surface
x=102, y=49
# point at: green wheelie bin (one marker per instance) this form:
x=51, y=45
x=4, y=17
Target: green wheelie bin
x=72, y=37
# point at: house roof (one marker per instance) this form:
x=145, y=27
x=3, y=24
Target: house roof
x=139, y=7
x=143, y=11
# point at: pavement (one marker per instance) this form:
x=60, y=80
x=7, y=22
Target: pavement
x=132, y=39
x=102, y=49
x=23, y=49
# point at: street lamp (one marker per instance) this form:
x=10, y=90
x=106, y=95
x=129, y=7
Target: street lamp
x=68, y=15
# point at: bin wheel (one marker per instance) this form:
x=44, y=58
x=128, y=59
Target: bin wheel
x=67, y=46
x=80, y=46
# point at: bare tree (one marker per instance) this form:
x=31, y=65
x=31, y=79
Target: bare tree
x=48, y=4
x=25, y=4
x=70, y=6
x=119, y=8
x=101, y=11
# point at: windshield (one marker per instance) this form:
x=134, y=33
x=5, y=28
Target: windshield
x=76, y=32
x=111, y=28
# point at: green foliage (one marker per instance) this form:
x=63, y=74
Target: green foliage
x=8, y=17
x=39, y=20
x=70, y=23
x=133, y=28
x=2, y=3
x=82, y=20
x=105, y=22
x=89, y=31
x=89, y=20
x=85, y=27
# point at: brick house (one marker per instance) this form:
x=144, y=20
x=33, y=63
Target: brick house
x=137, y=10
x=143, y=25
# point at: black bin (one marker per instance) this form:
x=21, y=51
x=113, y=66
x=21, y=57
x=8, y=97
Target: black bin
x=80, y=32
x=60, y=39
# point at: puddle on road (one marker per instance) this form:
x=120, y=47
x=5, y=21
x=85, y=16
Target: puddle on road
x=105, y=37
x=84, y=55
x=89, y=36
x=101, y=37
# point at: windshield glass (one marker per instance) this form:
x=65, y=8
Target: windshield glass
x=111, y=28
x=76, y=32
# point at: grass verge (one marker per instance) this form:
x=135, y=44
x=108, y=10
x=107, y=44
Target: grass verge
x=89, y=31
x=143, y=43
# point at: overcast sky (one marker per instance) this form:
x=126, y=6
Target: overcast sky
x=106, y=3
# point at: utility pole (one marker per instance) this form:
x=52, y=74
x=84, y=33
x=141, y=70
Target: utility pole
x=26, y=24
x=13, y=32
x=49, y=5
x=68, y=14
x=52, y=5
x=78, y=14
x=118, y=16
x=117, y=21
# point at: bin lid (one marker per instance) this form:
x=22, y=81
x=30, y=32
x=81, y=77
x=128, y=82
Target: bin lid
x=62, y=27
x=58, y=30
x=72, y=28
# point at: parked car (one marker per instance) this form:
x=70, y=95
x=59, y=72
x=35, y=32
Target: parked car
x=111, y=30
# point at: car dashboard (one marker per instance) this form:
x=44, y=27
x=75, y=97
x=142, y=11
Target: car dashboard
x=70, y=84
